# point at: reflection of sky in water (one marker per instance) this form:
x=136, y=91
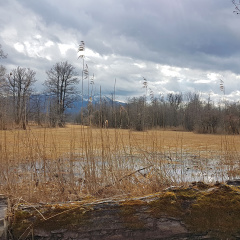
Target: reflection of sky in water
x=184, y=168
x=189, y=168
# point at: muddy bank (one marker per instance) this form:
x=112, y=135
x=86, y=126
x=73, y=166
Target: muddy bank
x=200, y=211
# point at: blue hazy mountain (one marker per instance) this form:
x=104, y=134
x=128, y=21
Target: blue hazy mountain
x=79, y=103
x=42, y=100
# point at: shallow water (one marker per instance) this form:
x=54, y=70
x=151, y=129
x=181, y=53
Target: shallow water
x=173, y=167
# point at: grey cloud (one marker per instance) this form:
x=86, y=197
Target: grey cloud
x=199, y=35
x=140, y=29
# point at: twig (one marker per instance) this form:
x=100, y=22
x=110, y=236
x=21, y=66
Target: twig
x=134, y=172
x=126, y=176
x=36, y=210
x=237, y=10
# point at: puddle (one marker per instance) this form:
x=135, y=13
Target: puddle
x=176, y=168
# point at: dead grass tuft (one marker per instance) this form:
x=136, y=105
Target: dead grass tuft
x=67, y=164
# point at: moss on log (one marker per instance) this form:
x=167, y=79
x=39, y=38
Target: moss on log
x=200, y=211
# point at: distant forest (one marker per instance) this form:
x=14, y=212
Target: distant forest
x=20, y=105
x=176, y=111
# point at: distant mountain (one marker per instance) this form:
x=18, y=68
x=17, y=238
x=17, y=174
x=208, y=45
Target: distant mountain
x=77, y=105
x=42, y=100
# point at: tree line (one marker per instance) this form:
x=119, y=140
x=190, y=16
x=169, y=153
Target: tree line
x=20, y=104
x=175, y=111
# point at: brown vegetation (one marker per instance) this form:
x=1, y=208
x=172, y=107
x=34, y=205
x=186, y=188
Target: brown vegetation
x=60, y=164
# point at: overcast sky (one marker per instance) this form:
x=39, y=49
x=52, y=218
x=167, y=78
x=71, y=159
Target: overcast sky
x=178, y=46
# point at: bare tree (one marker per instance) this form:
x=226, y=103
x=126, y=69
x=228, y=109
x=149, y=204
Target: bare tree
x=36, y=108
x=2, y=54
x=2, y=77
x=61, y=85
x=2, y=69
x=3, y=105
x=174, y=100
x=19, y=86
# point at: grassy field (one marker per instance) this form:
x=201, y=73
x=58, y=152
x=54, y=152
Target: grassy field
x=73, y=163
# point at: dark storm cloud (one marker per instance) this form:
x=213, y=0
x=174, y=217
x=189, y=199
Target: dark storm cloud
x=202, y=36
x=183, y=33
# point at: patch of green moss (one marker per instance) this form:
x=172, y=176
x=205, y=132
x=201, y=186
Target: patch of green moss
x=200, y=185
x=69, y=218
x=55, y=217
x=21, y=222
x=187, y=193
x=217, y=211
x=128, y=212
x=166, y=204
x=132, y=202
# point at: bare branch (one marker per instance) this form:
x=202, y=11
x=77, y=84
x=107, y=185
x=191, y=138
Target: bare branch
x=237, y=6
x=2, y=55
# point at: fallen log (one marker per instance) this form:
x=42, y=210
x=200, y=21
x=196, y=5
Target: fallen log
x=199, y=211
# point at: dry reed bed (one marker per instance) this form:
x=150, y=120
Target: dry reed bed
x=48, y=165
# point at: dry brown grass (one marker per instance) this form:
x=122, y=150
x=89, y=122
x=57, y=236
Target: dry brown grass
x=60, y=138
x=60, y=164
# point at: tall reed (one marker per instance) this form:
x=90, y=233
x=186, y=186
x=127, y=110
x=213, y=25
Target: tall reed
x=72, y=163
